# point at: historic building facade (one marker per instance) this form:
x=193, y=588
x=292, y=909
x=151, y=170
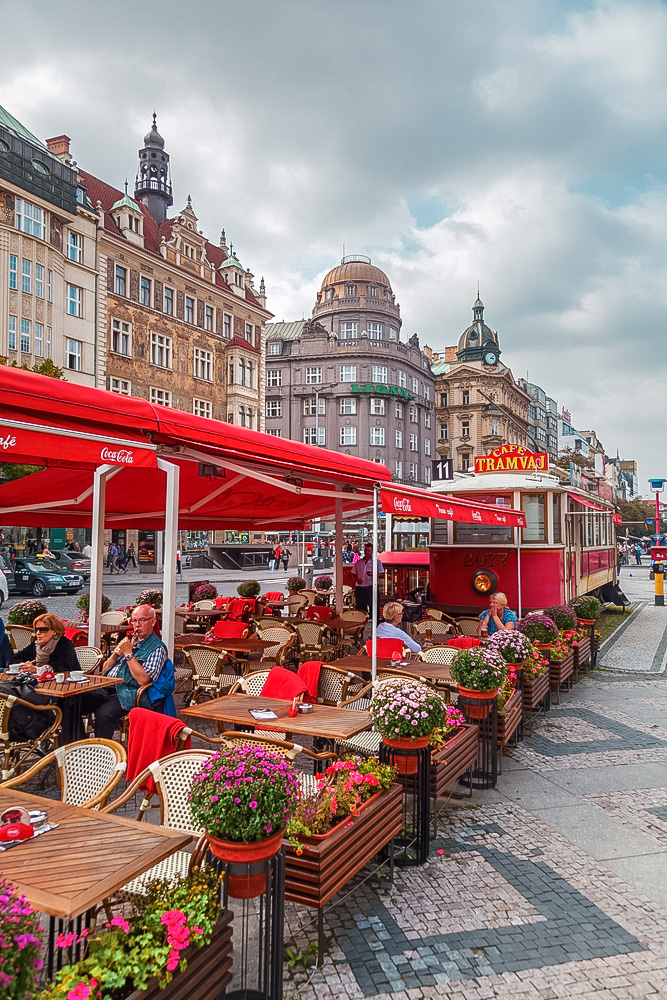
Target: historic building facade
x=48, y=258
x=479, y=405
x=542, y=420
x=346, y=381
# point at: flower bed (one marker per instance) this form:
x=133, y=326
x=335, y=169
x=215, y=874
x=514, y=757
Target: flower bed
x=536, y=682
x=540, y=629
x=453, y=758
x=25, y=612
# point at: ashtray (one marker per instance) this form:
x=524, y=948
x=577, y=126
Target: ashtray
x=305, y=708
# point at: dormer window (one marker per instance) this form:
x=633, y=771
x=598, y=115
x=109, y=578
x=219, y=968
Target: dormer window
x=189, y=251
x=372, y=291
x=350, y=289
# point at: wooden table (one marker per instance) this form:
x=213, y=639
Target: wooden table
x=69, y=692
x=186, y=614
x=325, y=721
x=233, y=645
x=436, y=673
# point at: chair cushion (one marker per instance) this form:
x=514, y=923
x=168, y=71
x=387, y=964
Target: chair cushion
x=229, y=630
x=319, y=613
x=463, y=642
x=386, y=647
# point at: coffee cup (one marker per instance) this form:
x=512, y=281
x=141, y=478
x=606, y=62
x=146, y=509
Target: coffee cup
x=14, y=668
x=60, y=678
x=76, y=675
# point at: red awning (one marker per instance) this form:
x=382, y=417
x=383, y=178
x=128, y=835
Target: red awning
x=588, y=503
x=444, y=507
x=404, y=558
x=34, y=444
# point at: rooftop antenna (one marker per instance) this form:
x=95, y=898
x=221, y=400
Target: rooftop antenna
x=343, y=249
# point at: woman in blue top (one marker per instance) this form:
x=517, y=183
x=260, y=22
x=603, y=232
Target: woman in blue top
x=497, y=617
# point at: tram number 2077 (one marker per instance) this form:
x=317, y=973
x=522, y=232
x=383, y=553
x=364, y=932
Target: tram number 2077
x=485, y=559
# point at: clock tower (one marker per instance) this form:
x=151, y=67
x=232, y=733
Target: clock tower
x=479, y=342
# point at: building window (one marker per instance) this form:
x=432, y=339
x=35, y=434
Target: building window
x=414, y=415
x=348, y=406
x=30, y=219
x=347, y=331
x=412, y=471
x=26, y=276
x=160, y=396
x=11, y=343
x=427, y=392
x=309, y=407
x=443, y=432
x=348, y=435
x=39, y=340
x=274, y=377
x=393, y=334
x=39, y=281
x=377, y=436
x=189, y=309
x=443, y=399
x=75, y=247
x=168, y=301
x=25, y=336
x=348, y=373
x=145, y=291
x=202, y=408
x=372, y=291
x=120, y=285
x=379, y=374
x=249, y=329
x=74, y=301
x=13, y=271
x=274, y=408
x=465, y=397
x=413, y=442
x=427, y=446
x=49, y=283
x=161, y=351
x=121, y=334
x=494, y=427
x=415, y=385
x=350, y=289
x=314, y=435
x=399, y=439
x=275, y=348
x=248, y=373
x=427, y=475
x=203, y=364
x=48, y=342
x=374, y=330
x=274, y=431
x=465, y=462
x=402, y=380
x=313, y=376
x=377, y=407
x=427, y=420
x=226, y=325
x=399, y=468
x=208, y=318
x=465, y=429
x=73, y=354
x=122, y=386
x=398, y=411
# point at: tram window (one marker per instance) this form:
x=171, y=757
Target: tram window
x=480, y=534
x=597, y=529
x=532, y=505
x=556, y=517
x=589, y=529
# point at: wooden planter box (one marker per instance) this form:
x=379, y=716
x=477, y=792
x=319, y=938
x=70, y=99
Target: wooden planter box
x=561, y=670
x=582, y=652
x=534, y=690
x=325, y=866
x=509, y=719
x=208, y=974
x=454, y=759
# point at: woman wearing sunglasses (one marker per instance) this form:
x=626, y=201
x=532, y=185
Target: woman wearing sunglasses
x=51, y=647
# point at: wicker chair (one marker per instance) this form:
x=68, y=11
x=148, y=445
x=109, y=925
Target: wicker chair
x=89, y=657
x=336, y=685
x=436, y=628
x=252, y=684
x=289, y=750
x=87, y=771
x=17, y=753
x=348, y=596
x=367, y=744
x=438, y=654
x=111, y=618
x=20, y=636
x=354, y=636
x=268, y=621
x=205, y=605
x=296, y=604
x=315, y=640
x=210, y=671
x=309, y=594
x=440, y=616
x=468, y=626
x=277, y=654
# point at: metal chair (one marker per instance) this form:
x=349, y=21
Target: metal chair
x=89, y=657
x=282, y=639
x=17, y=753
x=315, y=640
x=436, y=628
x=210, y=671
x=468, y=626
x=335, y=685
x=20, y=636
x=86, y=771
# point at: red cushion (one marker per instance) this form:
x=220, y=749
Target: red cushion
x=221, y=602
x=385, y=647
x=230, y=630
x=236, y=607
x=319, y=613
x=273, y=595
x=463, y=642
x=282, y=683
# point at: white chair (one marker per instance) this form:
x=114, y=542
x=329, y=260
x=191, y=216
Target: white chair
x=439, y=654
x=89, y=657
x=111, y=618
x=206, y=605
x=87, y=771
x=20, y=636
x=436, y=628
x=467, y=626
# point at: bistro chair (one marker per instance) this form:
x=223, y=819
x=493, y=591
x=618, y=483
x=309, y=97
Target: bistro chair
x=90, y=658
x=253, y=684
x=438, y=654
x=296, y=604
x=268, y=621
x=353, y=635
x=284, y=747
x=467, y=626
x=284, y=640
x=436, y=628
x=206, y=605
x=440, y=616
x=17, y=753
x=348, y=596
x=316, y=641
x=20, y=636
x=110, y=618
x=86, y=771
x=336, y=684
x=367, y=744
x=210, y=672
x=309, y=594
x=231, y=630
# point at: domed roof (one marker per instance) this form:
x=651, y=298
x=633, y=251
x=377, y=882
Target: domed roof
x=476, y=335
x=355, y=268
x=153, y=138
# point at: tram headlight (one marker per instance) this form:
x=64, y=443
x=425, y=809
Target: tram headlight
x=484, y=581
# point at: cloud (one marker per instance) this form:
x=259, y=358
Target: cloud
x=521, y=144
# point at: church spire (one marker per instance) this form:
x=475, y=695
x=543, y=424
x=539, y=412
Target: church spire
x=153, y=185
x=478, y=308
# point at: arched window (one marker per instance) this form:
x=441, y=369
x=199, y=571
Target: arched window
x=249, y=374
x=248, y=417
x=241, y=416
x=241, y=379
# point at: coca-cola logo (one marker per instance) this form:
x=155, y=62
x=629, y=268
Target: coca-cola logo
x=8, y=442
x=122, y=456
x=402, y=504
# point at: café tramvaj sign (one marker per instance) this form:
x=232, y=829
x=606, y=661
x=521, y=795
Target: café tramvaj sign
x=381, y=390
x=512, y=458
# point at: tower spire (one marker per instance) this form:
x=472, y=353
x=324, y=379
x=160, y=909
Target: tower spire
x=152, y=186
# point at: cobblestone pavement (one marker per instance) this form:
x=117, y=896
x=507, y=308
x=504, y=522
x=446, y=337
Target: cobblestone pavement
x=552, y=885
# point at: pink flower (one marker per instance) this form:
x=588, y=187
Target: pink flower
x=120, y=922
x=66, y=940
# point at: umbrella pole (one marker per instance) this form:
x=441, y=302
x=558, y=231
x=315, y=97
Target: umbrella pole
x=338, y=563
x=102, y=474
x=374, y=600
x=170, y=547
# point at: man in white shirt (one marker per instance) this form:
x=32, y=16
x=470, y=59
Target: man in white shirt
x=87, y=551
x=362, y=572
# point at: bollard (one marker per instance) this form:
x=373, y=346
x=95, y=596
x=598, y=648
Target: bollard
x=658, y=576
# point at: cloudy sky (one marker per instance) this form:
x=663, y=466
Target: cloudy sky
x=521, y=143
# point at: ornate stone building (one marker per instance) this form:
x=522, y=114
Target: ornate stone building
x=479, y=405
x=346, y=381
x=48, y=258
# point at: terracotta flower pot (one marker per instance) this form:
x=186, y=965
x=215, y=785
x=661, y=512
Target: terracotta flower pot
x=484, y=701
x=406, y=765
x=543, y=646
x=586, y=622
x=246, y=876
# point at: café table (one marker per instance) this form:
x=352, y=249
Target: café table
x=233, y=645
x=325, y=721
x=68, y=695
x=67, y=871
x=436, y=673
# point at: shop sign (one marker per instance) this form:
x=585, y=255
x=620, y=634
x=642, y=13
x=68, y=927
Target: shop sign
x=147, y=547
x=512, y=458
x=381, y=390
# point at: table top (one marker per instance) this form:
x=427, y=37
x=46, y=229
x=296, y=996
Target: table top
x=185, y=613
x=337, y=624
x=325, y=720
x=359, y=664
x=435, y=672
x=68, y=689
x=89, y=856
x=234, y=645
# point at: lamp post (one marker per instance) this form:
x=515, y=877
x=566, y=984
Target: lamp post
x=657, y=486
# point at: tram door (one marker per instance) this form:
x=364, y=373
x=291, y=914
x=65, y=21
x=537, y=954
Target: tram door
x=575, y=540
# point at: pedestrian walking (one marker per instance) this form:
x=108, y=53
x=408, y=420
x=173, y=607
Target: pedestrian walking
x=285, y=556
x=278, y=553
x=129, y=556
x=121, y=559
x=112, y=558
x=179, y=571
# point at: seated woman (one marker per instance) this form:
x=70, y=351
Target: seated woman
x=389, y=628
x=498, y=617
x=50, y=648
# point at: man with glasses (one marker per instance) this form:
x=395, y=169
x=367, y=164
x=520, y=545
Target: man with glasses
x=138, y=661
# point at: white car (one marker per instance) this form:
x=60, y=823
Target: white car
x=4, y=588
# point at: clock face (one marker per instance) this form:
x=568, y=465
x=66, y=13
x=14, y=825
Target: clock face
x=490, y=358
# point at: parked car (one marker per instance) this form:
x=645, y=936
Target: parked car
x=72, y=562
x=44, y=576
x=4, y=587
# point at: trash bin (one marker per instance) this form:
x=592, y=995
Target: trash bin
x=412, y=611
x=306, y=573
